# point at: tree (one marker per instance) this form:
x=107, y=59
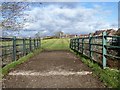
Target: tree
x=13, y=15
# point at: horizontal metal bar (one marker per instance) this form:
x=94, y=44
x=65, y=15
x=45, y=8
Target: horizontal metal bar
x=96, y=44
x=6, y=54
x=108, y=55
x=113, y=36
x=19, y=44
x=96, y=52
x=6, y=46
x=112, y=46
x=97, y=37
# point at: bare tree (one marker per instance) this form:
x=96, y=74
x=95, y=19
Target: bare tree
x=13, y=15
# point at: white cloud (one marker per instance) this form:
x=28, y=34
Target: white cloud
x=69, y=20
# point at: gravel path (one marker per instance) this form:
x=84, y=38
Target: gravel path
x=52, y=69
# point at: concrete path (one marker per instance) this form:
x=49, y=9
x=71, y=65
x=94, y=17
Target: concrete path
x=52, y=69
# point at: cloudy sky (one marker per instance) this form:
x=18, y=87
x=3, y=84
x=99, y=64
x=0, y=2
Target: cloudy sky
x=69, y=17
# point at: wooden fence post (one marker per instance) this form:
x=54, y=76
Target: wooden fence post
x=14, y=48
x=104, y=51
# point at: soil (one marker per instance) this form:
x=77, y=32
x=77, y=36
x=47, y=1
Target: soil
x=52, y=69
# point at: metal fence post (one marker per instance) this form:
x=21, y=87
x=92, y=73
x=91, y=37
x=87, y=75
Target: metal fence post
x=39, y=42
x=104, y=51
x=70, y=44
x=30, y=45
x=24, y=47
x=82, y=45
x=78, y=44
x=34, y=44
x=90, y=48
x=14, y=48
x=75, y=44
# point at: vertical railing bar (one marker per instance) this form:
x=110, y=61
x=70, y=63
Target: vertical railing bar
x=14, y=48
x=104, y=51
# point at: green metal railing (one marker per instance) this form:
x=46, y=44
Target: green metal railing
x=102, y=49
x=14, y=48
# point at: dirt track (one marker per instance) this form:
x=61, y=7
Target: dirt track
x=52, y=69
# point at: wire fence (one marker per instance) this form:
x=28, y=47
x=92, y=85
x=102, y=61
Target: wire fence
x=14, y=48
x=104, y=49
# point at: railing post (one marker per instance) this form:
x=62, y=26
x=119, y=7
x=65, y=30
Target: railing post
x=74, y=44
x=24, y=47
x=78, y=45
x=30, y=45
x=104, y=51
x=14, y=48
x=70, y=44
x=90, y=48
x=34, y=44
x=82, y=45
x=39, y=42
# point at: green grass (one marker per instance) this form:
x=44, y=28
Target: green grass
x=110, y=77
x=55, y=44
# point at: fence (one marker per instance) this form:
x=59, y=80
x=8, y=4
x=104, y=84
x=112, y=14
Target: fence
x=14, y=48
x=104, y=49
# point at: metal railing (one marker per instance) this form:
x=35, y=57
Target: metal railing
x=104, y=49
x=14, y=48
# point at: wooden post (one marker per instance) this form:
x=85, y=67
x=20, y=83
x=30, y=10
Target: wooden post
x=104, y=51
x=14, y=48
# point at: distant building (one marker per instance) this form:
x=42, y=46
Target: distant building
x=73, y=36
x=84, y=35
x=98, y=33
x=111, y=32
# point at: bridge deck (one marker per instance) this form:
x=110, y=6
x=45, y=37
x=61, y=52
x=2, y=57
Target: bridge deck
x=52, y=69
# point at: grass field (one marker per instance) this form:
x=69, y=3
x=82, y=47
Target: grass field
x=55, y=44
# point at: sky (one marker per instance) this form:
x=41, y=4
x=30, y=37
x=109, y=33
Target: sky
x=69, y=17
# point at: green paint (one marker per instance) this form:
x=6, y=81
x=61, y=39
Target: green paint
x=14, y=48
x=104, y=51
